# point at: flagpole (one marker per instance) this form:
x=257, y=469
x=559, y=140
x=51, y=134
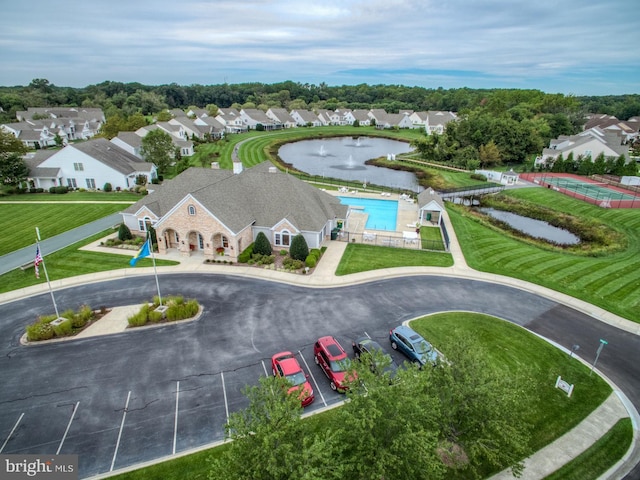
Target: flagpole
x=155, y=271
x=44, y=267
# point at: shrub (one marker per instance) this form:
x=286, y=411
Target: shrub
x=311, y=261
x=59, y=189
x=140, y=318
x=316, y=253
x=262, y=244
x=107, y=187
x=299, y=249
x=283, y=252
x=39, y=331
x=63, y=328
x=292, y=264
x=245, y=256
x=124, y=233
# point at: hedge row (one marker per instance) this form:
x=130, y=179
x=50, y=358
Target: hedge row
x=177, y=309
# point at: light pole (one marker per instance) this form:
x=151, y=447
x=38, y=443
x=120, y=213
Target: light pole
x=602, y=344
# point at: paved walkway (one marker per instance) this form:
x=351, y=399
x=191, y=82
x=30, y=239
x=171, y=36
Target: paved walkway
x=538, y=466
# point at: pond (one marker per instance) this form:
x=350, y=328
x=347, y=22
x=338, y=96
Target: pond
x=533, y=228
x=345, y=157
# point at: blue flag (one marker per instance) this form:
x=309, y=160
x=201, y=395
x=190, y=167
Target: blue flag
x=145, y=251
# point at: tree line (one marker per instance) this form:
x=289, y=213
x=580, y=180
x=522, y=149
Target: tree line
x=130, y=98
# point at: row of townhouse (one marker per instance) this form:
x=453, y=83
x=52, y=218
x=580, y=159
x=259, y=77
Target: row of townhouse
x=238, y=121
x=197, y=123
x=44, y=127
x=602, y=134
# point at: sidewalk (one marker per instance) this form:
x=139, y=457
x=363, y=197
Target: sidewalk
x=538, y=466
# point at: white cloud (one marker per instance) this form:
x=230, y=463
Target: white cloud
x=330, y=41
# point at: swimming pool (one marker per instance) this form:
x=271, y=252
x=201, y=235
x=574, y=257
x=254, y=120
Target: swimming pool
x=383, y=214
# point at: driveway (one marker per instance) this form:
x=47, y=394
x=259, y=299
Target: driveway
x=135, y=396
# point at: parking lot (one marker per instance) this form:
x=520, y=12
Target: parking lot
x=129, y=426
x=142, y=395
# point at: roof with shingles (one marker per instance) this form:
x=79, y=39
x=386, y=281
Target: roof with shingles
x=111, y=155
x=256, y=196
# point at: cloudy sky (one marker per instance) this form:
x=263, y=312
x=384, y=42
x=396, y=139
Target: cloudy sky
x=567, y=46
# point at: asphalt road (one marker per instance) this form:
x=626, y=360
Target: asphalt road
x=13, y=260
x=131, y=397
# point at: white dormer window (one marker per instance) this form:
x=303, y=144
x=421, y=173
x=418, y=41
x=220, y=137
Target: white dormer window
x=192, y=210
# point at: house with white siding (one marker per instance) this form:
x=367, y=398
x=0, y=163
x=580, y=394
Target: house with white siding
x=88, y=165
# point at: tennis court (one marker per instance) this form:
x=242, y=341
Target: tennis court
x=601, y=194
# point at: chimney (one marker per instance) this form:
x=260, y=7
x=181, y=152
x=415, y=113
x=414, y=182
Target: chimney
x=237, y=167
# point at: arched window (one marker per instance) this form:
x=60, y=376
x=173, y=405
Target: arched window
x=192, y=210
x=283, y=238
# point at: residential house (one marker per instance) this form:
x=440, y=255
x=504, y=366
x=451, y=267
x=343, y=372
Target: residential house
x=628, y=128
x=210, y=212
x=232, y=120
x=280, y=115
x=588, y=144
x=89, y=165
x=252, y=117
x=327, y=117
x=434, y=121
x=179, y=138
x=393, y=120
x=30, y=135
x=305, y=118
x=362, y=116
x=209, y=127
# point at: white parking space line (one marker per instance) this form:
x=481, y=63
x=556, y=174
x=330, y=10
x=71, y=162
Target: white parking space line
x=11, y=433
x=175, y=422
x=264, y=367
x=367, y=335
x=313, y=378
x=224, y=392
x=124, y=415
x=75, y=409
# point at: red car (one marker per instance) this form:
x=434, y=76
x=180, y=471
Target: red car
x=284, y=364
x=333, y=361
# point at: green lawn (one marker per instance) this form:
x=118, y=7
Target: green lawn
x=510, y=348
x=431, y=238
x=18, y=221
x=361, y=258
x=611, y=282
x=77, y=196
x=597, y=459
x=70, y=262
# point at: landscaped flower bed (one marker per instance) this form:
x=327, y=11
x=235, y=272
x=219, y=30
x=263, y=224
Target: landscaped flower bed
x=176, y=308
x=69, y=323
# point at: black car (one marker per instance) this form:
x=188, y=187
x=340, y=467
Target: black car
x=379, y=360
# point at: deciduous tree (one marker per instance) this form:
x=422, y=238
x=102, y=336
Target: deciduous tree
x=158, y=149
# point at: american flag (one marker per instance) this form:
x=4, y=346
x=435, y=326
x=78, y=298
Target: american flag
x=37, y=261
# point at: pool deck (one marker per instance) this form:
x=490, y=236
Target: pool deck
x=407, y=213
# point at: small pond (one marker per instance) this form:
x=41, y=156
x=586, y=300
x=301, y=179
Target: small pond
x=533, y=228
x=345, y=157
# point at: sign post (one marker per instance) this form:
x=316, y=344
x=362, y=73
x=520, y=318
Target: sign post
x=602, y=344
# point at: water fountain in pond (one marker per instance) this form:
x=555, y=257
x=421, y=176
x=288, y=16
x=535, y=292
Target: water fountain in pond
x=358, y=142
x=350, y=165
x=322, y=151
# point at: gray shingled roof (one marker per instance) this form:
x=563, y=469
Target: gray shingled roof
x=427, y=196
x=111, y=155
x=254, y=197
